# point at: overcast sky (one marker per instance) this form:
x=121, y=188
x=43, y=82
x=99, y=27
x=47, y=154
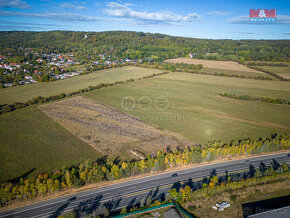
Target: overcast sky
x=190, y=18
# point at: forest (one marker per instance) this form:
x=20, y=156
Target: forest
x=138, y=45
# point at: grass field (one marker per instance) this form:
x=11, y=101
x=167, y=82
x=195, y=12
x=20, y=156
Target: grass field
x=29, y=139
x=236, y=72
x=283, y=71
x=27, y=92
x=198, y=113
x=192, y=108
x=222, y=65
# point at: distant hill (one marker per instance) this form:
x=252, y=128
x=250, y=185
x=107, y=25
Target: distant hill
x=139, y=45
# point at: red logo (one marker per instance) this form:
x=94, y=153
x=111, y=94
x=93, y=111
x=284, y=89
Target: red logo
x=263, y=13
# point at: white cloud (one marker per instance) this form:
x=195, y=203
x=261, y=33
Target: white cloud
x=281, y=19
x=68, y=17
x=115, y=9
x=13, y=4
x=71, y=6
x=246, y=33
x=5, y=22
x=287, y=33
x=219, y=13
x=239, y=20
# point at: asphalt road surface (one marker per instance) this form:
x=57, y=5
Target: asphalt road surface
x=130, y=193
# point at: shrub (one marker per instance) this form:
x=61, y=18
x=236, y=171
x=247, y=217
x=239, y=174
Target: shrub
x=233, y=197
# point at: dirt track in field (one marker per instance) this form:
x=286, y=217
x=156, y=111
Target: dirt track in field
x=223, y=65
x=108, y=130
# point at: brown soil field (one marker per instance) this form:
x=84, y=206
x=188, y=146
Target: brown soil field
x=110, y=131
x=287, y=76
x=223, y=65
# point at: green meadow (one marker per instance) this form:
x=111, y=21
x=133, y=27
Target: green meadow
x=198, y=113
x=26, y=92
x=236, y=72
x=29, y=139
x=277, y=69
x=283, y=71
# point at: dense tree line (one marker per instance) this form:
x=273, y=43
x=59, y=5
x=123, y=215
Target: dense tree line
x=139, y=45
x=267, y=64
x=249, y=98
x=173, y=67
x=107, y=170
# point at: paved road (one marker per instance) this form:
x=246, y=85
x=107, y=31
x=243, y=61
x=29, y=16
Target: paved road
x=129, y=193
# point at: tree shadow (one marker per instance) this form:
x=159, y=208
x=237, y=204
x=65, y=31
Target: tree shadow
x=191, y=184
x=117, y=160
x=155, y=193
x=252, y=170
x=59, y=211
x=177, y=186
x=275, y=164
x=245, y=175
x=111, y=204
x=235, y=176
x=205, y=180
x=262, y=167
x=161, y=197
x=131, y=204
x=17, y=179
x=89, y=206
x=102, y=160
x=149, y=195
x=212, y=173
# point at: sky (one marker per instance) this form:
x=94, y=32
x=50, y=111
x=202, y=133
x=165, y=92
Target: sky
x=188, y=18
